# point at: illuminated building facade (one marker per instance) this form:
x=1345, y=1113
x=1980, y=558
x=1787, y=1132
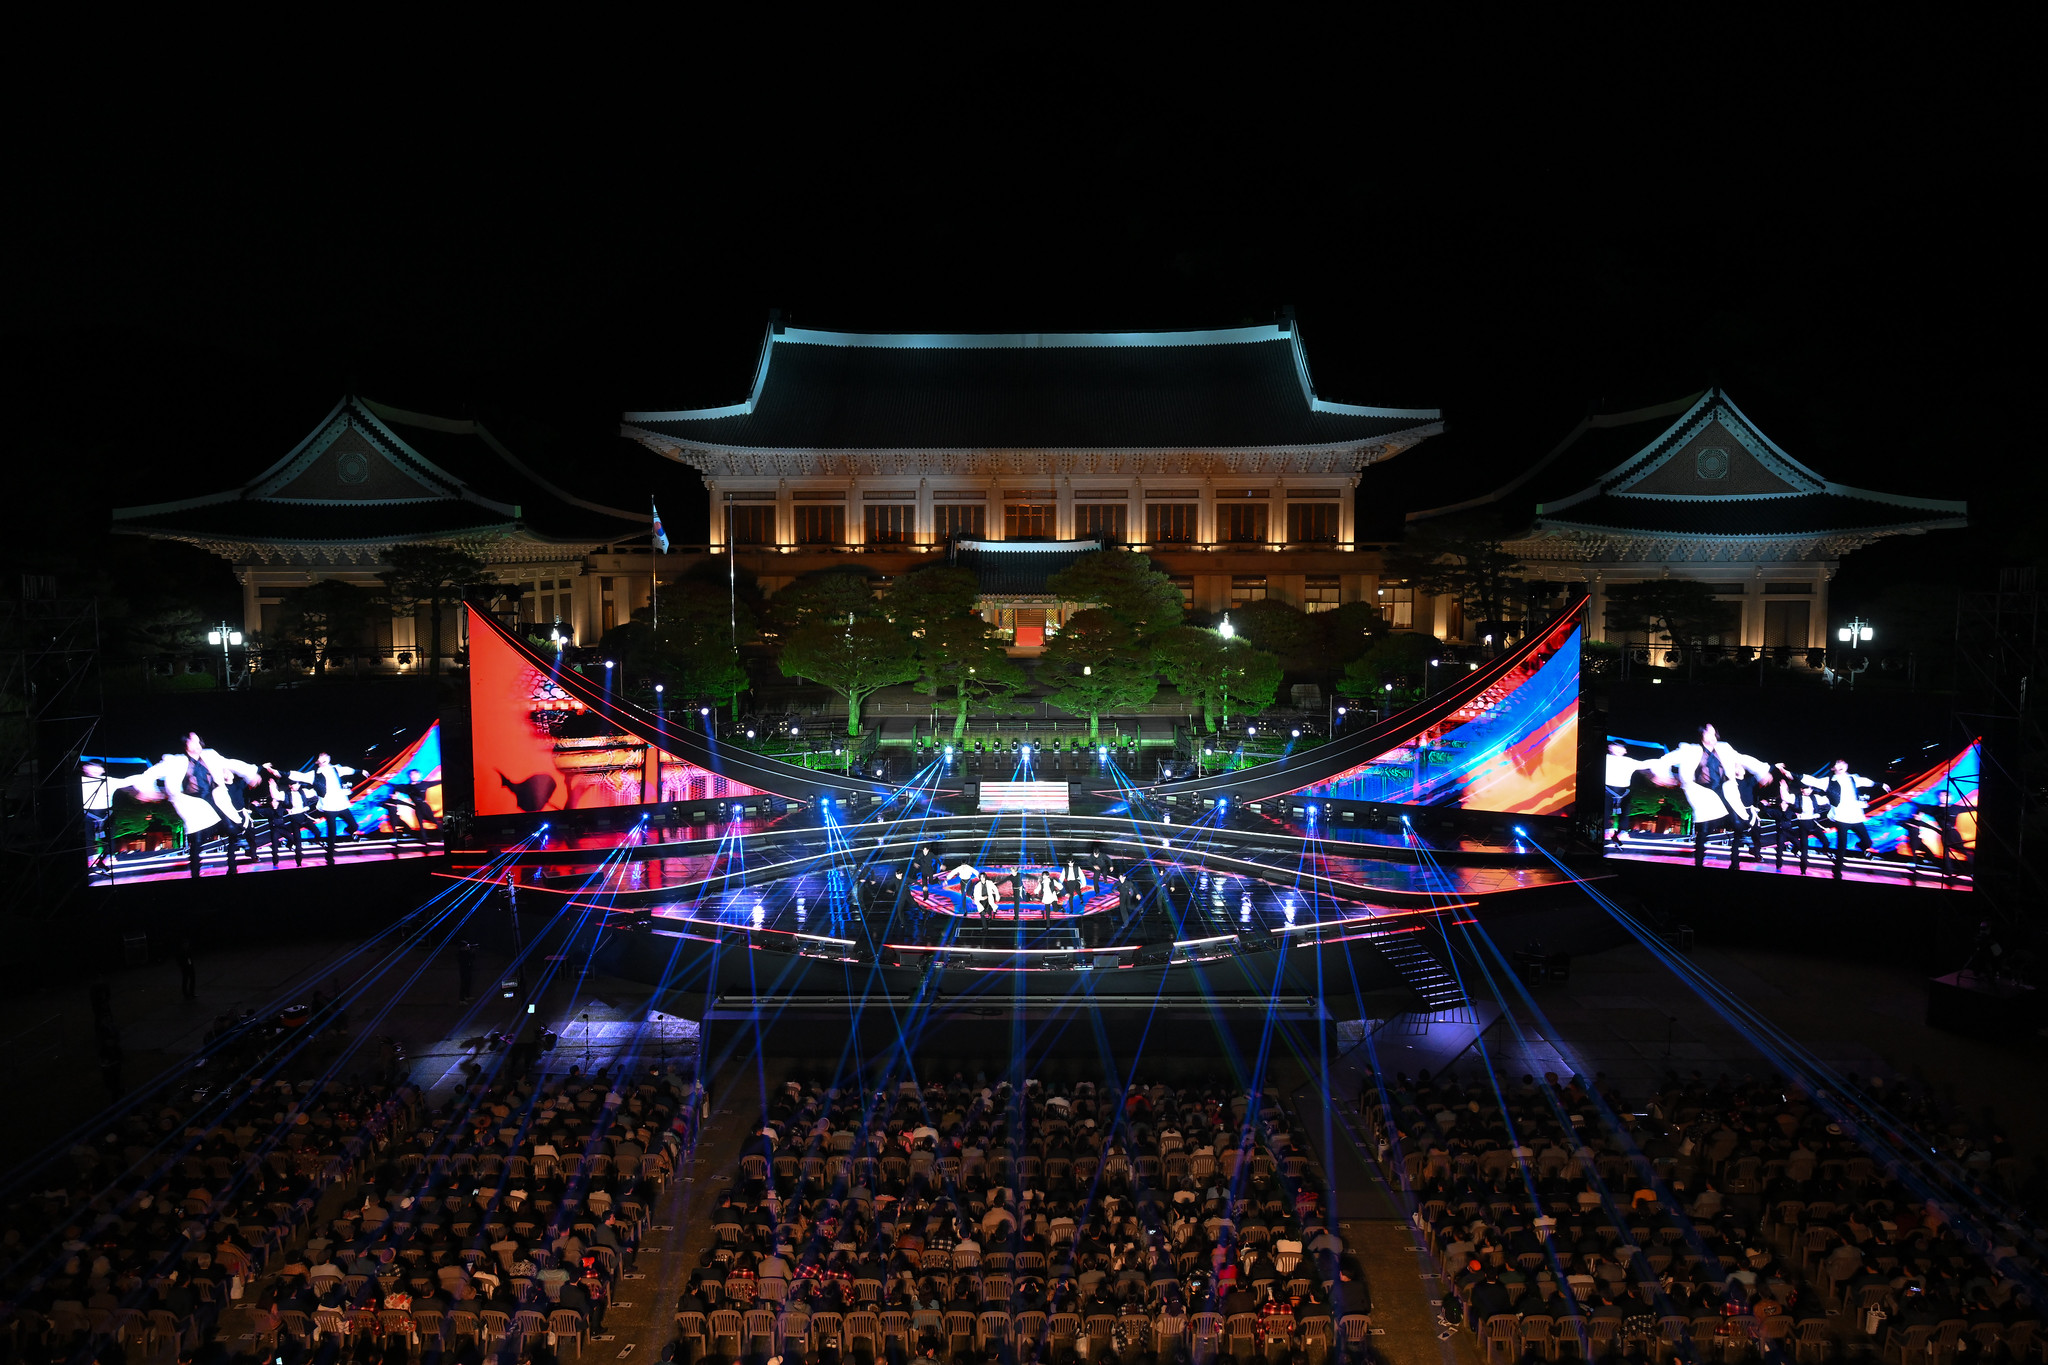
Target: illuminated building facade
x=1692, y=489
x=1210, y=451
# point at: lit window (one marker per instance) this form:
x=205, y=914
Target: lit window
x=1319, y=593
x=1246, y=589
x=1312, y=523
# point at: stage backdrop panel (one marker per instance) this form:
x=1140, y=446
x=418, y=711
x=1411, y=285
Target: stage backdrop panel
x=535, y=747
x=1513, y=748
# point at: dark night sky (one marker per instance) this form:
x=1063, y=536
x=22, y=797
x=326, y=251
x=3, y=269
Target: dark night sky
x=1513, y=233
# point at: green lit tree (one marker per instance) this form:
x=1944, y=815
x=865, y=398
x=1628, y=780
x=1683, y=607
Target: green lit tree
x=322, y=618
x=1344, y=634
x=1682, y=610
x=1464, y=558
x=1126, y=585
x=1095, y=667
x=1276, y=628
x=926, y=600
x=1223, y=675
x=855, y=659
x=1400, y=660
x=692, y=653
x=433, y=576
x=962, y=654
x=827, y=595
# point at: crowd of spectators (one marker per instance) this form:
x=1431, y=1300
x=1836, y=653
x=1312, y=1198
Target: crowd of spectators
x=175, y=1210
x=966, y=1219
x=1725, y=1214
x=350, y=1218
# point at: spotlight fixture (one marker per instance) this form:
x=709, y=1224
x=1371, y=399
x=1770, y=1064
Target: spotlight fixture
x=1297, y=734
x=1251, y=729
x=1312, y=812
x=608, y=663
x=1102, y=752
x=703, y=710
x=1343, y=710
x=750, y=734
x=657, y=687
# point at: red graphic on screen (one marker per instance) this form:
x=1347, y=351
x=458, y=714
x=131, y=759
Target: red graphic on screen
x=538, y=748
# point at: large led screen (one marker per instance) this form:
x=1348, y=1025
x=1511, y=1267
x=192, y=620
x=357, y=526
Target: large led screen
x=1513, y=748
x=223, y=786
x=1810, y=801
x=537, y=748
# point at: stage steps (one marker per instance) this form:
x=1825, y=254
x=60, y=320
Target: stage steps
x=1428, y=975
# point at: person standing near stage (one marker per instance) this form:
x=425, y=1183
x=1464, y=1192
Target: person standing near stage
x=188, y=970
x=1072, y=885
x=97, y=790
x=1709, y=773
x=1621, y=771
x=1844, y=793
x=330, y=796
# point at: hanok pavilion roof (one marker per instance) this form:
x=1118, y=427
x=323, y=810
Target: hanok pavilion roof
x=1236, y=388
x=373, y=474
x=1694, y=468
x=1017, y=568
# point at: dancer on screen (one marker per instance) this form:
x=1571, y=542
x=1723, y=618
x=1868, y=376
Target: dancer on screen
x=1711, y=774
x=199, y=784
x=330, y=796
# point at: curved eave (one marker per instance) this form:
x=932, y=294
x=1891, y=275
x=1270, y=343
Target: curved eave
x=504, y=530
x=658, y=440
x=1903, y=528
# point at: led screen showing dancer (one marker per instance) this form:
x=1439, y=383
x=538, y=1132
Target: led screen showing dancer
x=1715, y=799
x=538, y=748
x=229, y=800
x=1512, y=748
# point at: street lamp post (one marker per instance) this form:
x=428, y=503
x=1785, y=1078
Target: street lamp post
x=224, y=637
x=1857, y=632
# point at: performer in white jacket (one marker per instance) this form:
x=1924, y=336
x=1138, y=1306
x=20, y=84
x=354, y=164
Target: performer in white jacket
x=1844, y=792
x=199, y=785
x=1710, y=774
x=330, y=796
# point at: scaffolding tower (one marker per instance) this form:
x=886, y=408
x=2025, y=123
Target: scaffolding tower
x=50, y=706
x=2002, y=656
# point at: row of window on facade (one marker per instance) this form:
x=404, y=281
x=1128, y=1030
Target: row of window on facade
x=1165, y=523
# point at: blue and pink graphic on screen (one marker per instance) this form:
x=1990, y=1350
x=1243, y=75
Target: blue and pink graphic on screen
x=1932, y=814
x=1513, y=748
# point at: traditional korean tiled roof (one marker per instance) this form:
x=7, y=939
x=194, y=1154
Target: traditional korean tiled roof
x=1695, y=467
x=1237, y=388
x=1018, y=568
x=370, y=473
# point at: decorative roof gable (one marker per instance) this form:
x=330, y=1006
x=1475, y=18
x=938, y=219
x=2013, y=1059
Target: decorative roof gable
x=1695, y=471
x=353, y=457
x=1711, y=451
